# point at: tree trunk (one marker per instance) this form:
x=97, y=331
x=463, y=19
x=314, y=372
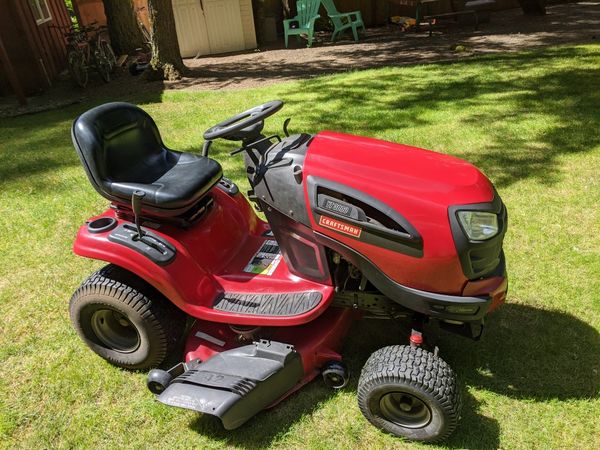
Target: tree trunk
x=166, y=62
x=125, y=35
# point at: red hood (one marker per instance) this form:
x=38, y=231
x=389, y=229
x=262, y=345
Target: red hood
x=421, y=174
x=418, y=184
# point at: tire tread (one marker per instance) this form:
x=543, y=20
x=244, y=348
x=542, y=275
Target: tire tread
x=165, y=320
x=417, y=368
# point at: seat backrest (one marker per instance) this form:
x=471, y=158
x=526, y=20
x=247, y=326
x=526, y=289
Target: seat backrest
x=338, y=22
x=119, y=142
x=307, y=9
x=330, y=7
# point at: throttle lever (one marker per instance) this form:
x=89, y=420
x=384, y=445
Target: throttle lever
x=206, y=147
x=136, y=206
x=285, y=126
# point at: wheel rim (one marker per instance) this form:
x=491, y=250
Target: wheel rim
x=405, y=410
x=115, y=331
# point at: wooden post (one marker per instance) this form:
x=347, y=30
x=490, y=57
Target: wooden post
x=12, y=76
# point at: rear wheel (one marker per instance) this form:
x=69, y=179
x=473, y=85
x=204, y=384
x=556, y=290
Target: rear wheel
x=409, y=392
x=124, y=320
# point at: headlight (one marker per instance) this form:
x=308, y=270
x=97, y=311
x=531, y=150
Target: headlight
x=478, y=225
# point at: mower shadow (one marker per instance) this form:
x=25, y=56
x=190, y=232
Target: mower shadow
x=526, y=353
x=272, y=423
x=530, y=353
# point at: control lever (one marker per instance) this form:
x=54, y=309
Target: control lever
x=136, y=205
x=285, y=126
x=206, y=147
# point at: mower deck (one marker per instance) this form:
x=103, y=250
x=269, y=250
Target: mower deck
x=230, y=380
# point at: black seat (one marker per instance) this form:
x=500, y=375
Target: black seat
x=122, y=151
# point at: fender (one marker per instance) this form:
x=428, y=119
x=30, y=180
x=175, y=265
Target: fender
x=183, y=282
x=210, y=257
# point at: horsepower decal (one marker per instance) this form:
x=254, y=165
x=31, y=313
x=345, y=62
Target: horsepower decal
x=342, y=227
x=265, y=260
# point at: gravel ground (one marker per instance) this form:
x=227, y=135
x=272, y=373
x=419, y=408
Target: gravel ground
x=387, y=46
x=508, y=31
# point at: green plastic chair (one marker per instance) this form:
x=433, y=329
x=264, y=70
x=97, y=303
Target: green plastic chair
x=343, y=21
x=305, y=19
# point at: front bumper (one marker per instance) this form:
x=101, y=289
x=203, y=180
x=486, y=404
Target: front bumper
x=478, y=298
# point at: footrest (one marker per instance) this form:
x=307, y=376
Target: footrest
x=237, y=384
x=286, y=304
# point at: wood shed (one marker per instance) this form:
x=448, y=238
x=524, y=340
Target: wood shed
x=204, y=27
x=32, y=50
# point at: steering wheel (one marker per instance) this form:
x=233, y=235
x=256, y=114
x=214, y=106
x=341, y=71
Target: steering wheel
x=243, y=120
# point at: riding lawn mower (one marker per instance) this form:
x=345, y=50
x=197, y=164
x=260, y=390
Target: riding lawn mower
x=356, y=228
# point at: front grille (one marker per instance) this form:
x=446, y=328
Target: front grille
x=483, y=260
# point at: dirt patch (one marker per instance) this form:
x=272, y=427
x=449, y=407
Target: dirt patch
x=508, y=31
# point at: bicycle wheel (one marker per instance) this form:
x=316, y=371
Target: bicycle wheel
x=77, y=68
x=108, y=52
x=102, y=65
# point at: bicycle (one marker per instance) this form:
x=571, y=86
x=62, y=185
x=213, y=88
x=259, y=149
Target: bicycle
x=104, y=44
x=146, y=34
x=141, y=60
x=88, y=47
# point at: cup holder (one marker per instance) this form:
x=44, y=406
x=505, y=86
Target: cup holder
x=101, y=225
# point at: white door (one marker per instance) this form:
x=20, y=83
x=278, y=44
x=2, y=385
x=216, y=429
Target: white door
x=191, y=28
x=224, y=25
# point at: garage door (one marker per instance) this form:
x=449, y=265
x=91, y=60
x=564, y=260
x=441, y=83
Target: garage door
x=208, y=26
x=224, y=24
x=191, y=28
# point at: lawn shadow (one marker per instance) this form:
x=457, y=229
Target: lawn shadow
x=548, y=109
x=40, y=143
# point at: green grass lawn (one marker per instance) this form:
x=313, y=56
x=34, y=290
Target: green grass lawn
x=530, y=121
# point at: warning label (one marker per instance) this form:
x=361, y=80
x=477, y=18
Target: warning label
x=342, y=227
x=266, y=259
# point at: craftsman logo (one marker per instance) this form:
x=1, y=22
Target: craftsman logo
x=342, y=227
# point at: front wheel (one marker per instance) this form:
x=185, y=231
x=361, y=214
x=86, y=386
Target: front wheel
x=409, y=392
x=77, y=68
x=103, y=66
x=124, y=320
x=109, y=54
